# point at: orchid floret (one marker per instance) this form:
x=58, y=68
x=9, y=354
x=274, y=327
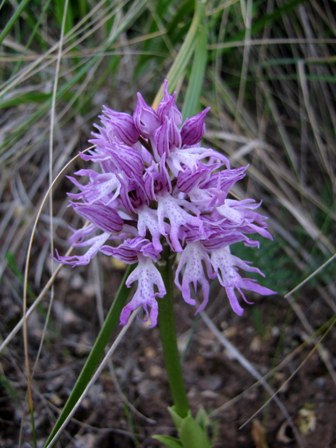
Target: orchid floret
x=150, y=286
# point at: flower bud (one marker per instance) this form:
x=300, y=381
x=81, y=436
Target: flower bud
x=145, y=118
x=194, y=128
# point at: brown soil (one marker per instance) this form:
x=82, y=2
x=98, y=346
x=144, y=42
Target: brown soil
x=214, y=379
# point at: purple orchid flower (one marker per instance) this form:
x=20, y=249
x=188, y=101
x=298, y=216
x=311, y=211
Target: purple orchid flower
x=158, y=188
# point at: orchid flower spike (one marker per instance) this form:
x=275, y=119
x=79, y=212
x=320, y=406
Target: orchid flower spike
x=156, y=188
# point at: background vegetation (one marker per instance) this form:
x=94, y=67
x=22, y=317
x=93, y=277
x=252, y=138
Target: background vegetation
x=267, y=69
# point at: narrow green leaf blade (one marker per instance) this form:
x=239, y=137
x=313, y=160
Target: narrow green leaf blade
x=191, y=102
x=97, y=351
x=168, y=441
x=192, y=435
x=177, y=419
x=24, y=98
x=12, y=20
x=176, y=72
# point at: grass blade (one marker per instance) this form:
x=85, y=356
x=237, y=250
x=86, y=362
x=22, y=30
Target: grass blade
x=97, y=351
x=12, y=20
x=191, y=103
x=93, y=379
x=184, y=55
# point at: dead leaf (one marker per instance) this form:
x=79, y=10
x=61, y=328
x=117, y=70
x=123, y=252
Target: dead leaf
x=258, y=433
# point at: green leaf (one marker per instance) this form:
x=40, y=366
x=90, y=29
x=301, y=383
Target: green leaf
x=59, y=11
x=191, y=102
x=174, y=21
x=177, y=70
x=14, y=267
x=175, y=417
x=265, y=20
x=97, y=351
x=168, y=441
x=202, y=418
x=11, y=22
x=27, y=97
x=192, y=435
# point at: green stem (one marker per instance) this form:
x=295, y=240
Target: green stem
x=169, y=344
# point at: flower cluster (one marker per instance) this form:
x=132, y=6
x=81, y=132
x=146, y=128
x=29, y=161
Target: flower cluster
x=157, y=189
